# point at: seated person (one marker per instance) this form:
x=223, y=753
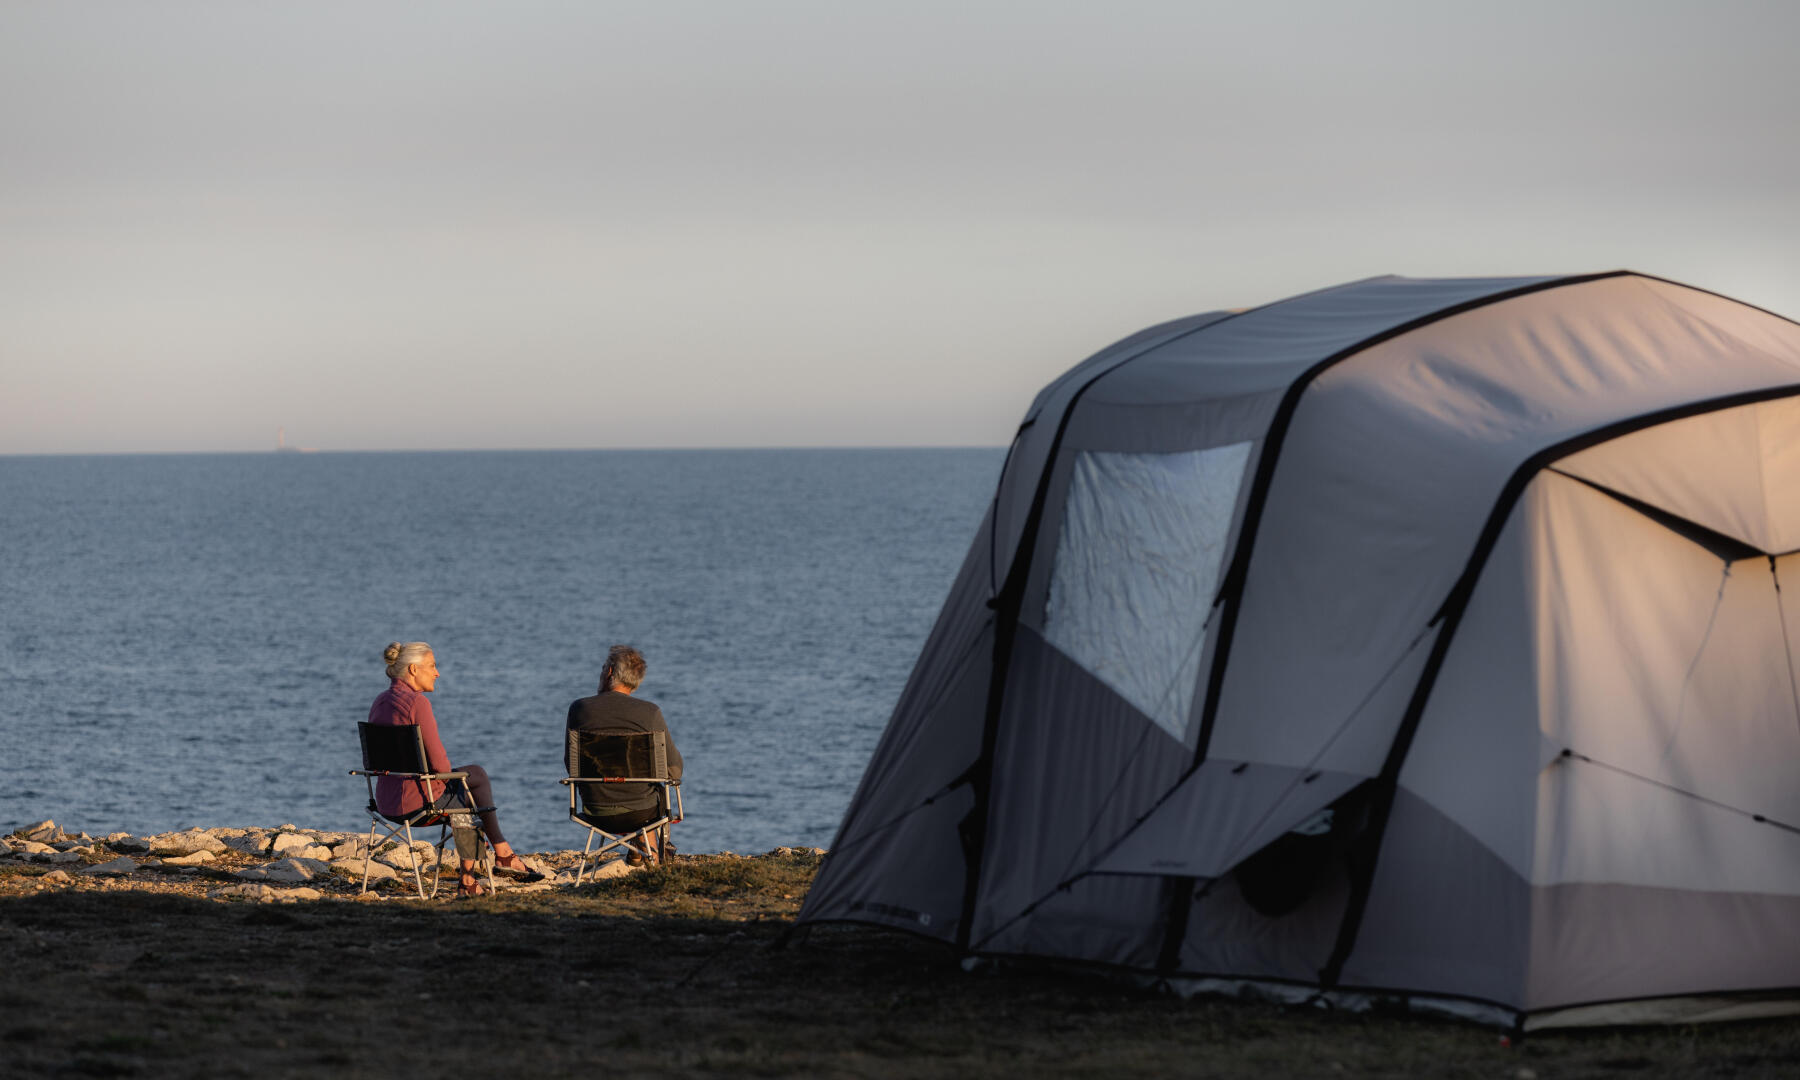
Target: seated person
x=413, y=669
x=620, y=808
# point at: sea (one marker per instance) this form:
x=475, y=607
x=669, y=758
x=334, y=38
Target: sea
x=189, y=640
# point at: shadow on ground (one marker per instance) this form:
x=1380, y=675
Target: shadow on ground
x=677, y=970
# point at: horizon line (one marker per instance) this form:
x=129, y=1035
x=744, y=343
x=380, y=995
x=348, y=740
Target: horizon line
x=294, y=452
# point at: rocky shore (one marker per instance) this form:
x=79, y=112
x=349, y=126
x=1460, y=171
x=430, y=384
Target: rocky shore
x=279, y=864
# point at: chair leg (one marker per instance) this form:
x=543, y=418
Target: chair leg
x=581, y=867
x=368, y=854
x=412, y=862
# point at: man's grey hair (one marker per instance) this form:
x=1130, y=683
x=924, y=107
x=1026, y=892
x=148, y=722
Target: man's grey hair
x=624, y=667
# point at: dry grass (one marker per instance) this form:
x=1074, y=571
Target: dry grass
x=676, y=970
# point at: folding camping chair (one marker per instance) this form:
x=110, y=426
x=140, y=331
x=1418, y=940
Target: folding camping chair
x=639, y=757
x=399, y=750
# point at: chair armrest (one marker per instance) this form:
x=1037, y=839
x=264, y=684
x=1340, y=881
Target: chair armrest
x=411, y=775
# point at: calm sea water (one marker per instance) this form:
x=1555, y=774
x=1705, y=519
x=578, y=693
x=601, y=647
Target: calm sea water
x=190, y=640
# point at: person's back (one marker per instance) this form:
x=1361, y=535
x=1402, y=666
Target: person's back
x=615, y=712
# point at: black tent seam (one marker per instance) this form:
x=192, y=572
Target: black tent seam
x=1363, y=863
x=1238, y=572
x=1007, y=606
x=1702, y=536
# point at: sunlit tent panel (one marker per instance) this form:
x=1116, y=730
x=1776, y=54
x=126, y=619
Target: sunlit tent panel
x=1418, y=640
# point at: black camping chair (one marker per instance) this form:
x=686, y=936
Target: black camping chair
x=639, y=757
x=399, y=750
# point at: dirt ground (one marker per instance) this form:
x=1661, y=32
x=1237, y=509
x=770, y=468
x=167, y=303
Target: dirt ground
x=674, y=971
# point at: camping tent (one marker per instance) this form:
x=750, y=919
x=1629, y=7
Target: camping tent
x=1426, y=640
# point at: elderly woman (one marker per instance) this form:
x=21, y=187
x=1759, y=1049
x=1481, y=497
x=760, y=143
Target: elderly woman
x=413, y=668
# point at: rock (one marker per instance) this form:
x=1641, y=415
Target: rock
x=425, y=853
x=185, y=843
x=613, y=869
x=378, y=870
x=197, y=858
x=127, y=843
x=290, y=870
x=348, y=849
x=291, y=843
x=115, y=868
x=56, y=877
x=62, y=857
x=318, y=852
x=33, y=847
x=266, y=894
x=248, y=841
x=44, y=832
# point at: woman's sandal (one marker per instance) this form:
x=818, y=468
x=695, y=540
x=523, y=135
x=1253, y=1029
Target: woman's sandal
x=514, y=867
x=467, y=888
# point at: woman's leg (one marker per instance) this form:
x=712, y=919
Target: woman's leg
x=482, y=790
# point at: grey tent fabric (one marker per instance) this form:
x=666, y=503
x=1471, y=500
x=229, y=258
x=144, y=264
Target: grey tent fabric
x=1378, y=642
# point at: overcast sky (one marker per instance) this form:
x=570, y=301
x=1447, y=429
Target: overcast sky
x=589, y=224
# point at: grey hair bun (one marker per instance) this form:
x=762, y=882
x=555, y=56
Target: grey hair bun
x=402, y=655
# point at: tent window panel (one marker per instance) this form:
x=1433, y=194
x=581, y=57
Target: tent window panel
x=1137, y=564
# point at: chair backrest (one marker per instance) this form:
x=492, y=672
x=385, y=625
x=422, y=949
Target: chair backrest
x=392, y=747
x=592, y=755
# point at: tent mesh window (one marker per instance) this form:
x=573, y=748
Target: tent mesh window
x=1137, y=564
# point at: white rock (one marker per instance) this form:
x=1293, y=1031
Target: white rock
x=63, y=857
x=316, y=851
x=266, y=894
x=185, y=843
x=425, y=853
x=58, y=877
x=127, y=843
x=44, y=832
x=353, y=869
x=118, y=866
x=249, y=841
x=291, y=870
x=33, y=847
x=197, y=858
x=612, y=869
x=291, y=843
x=348, y=849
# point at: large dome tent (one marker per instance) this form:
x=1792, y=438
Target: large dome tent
x=1411, y=639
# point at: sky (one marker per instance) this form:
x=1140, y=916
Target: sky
x=387, y=226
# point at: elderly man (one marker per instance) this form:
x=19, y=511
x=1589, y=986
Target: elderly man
x=614, y=711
